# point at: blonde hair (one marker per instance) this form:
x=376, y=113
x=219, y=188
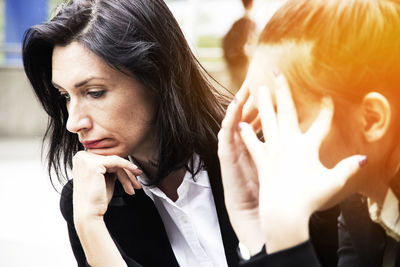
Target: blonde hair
x=354, y=45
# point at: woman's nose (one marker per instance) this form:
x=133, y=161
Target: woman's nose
x=78, y=118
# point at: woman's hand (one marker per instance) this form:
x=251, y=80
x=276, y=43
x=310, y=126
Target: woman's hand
x=94, y=180
x=293, y=182
x=239, y=178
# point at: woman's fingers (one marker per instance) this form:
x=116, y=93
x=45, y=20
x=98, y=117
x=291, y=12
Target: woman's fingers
x=125, y=181
x=322, y=124
x=253, y=145
x=250, y=111
x=132, y=177
x=232, y=118
x=286, y=110
x=125, y=170
x=267, y=114
x=347, y=168
x=256, y=124
x=243, y=94
x=112, y=163
x=336, y=187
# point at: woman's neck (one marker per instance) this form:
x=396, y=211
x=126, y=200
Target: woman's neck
x=395, y=184
x=148, y=166
x=377, y=192
x=169, y=185
x=377, y=188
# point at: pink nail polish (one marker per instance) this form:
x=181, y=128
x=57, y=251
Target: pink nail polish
x=276, y=72
x=363, y=161
x=240, y=126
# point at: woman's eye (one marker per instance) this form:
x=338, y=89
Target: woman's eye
x=96, y=94
x=65, y=96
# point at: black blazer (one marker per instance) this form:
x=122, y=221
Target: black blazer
x=319, y=251
x=362, y=243
x=138, y=231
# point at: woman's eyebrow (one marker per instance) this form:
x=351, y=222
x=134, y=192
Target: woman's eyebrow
x=79, y=84
x=56, y=85
x=84, y=82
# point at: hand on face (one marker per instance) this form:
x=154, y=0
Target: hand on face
x=240, y=180
x=292, y=181
x=94, y=180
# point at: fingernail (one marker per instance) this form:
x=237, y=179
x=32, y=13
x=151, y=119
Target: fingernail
x=363, y=161
x=276, y=72
x=130, y=191
x=326, y=102
x=235, y=100
x=240, y=126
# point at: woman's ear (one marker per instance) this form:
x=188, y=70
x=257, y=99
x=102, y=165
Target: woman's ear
x=376, y=115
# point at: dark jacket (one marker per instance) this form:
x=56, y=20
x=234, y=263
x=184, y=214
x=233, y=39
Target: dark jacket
x=138, y=231
x=362, y=243
x=320, y=251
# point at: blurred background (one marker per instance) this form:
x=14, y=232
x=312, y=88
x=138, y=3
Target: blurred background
x=32, y=230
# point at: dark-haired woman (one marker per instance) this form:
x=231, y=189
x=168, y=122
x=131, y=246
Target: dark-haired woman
x=127, y=101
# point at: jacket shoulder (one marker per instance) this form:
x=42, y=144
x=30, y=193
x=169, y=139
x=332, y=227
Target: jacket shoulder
x=66, y=202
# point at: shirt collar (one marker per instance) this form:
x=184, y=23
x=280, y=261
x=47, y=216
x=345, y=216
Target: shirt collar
x=201, y=179
x=388, y=216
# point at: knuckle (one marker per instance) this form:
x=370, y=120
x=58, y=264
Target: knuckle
x=220, y=151
x=220, y=135
x=79, y=156
x=224, y=123
x=114, y=157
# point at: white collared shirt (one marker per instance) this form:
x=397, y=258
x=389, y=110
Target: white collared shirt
x=191, y=222
x=388, y=216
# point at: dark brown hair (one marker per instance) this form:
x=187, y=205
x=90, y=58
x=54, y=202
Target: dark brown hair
x=140, y=38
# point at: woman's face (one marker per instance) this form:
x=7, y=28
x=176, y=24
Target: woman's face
x=335, y=146
x=112, y=113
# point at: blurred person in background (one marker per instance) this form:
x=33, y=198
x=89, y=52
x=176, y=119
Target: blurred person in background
x=331, y=131
x=134, y=118
x=237, y=44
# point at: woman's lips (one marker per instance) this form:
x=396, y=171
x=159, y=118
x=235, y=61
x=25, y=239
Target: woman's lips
x=92, y=144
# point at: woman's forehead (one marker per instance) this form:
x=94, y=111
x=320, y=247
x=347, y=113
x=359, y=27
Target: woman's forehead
x=281, y=57
x=74, y=63
x=285, y=57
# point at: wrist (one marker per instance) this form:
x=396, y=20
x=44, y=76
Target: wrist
x=282, y=233
x=84, y=221
x=97, y=243
x=248, y=230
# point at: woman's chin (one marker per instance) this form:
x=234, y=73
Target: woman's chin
x=108, y=152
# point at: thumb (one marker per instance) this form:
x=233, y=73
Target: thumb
x=335, y=187
x=347, y=168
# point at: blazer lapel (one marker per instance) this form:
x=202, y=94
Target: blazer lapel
x=229, y=238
